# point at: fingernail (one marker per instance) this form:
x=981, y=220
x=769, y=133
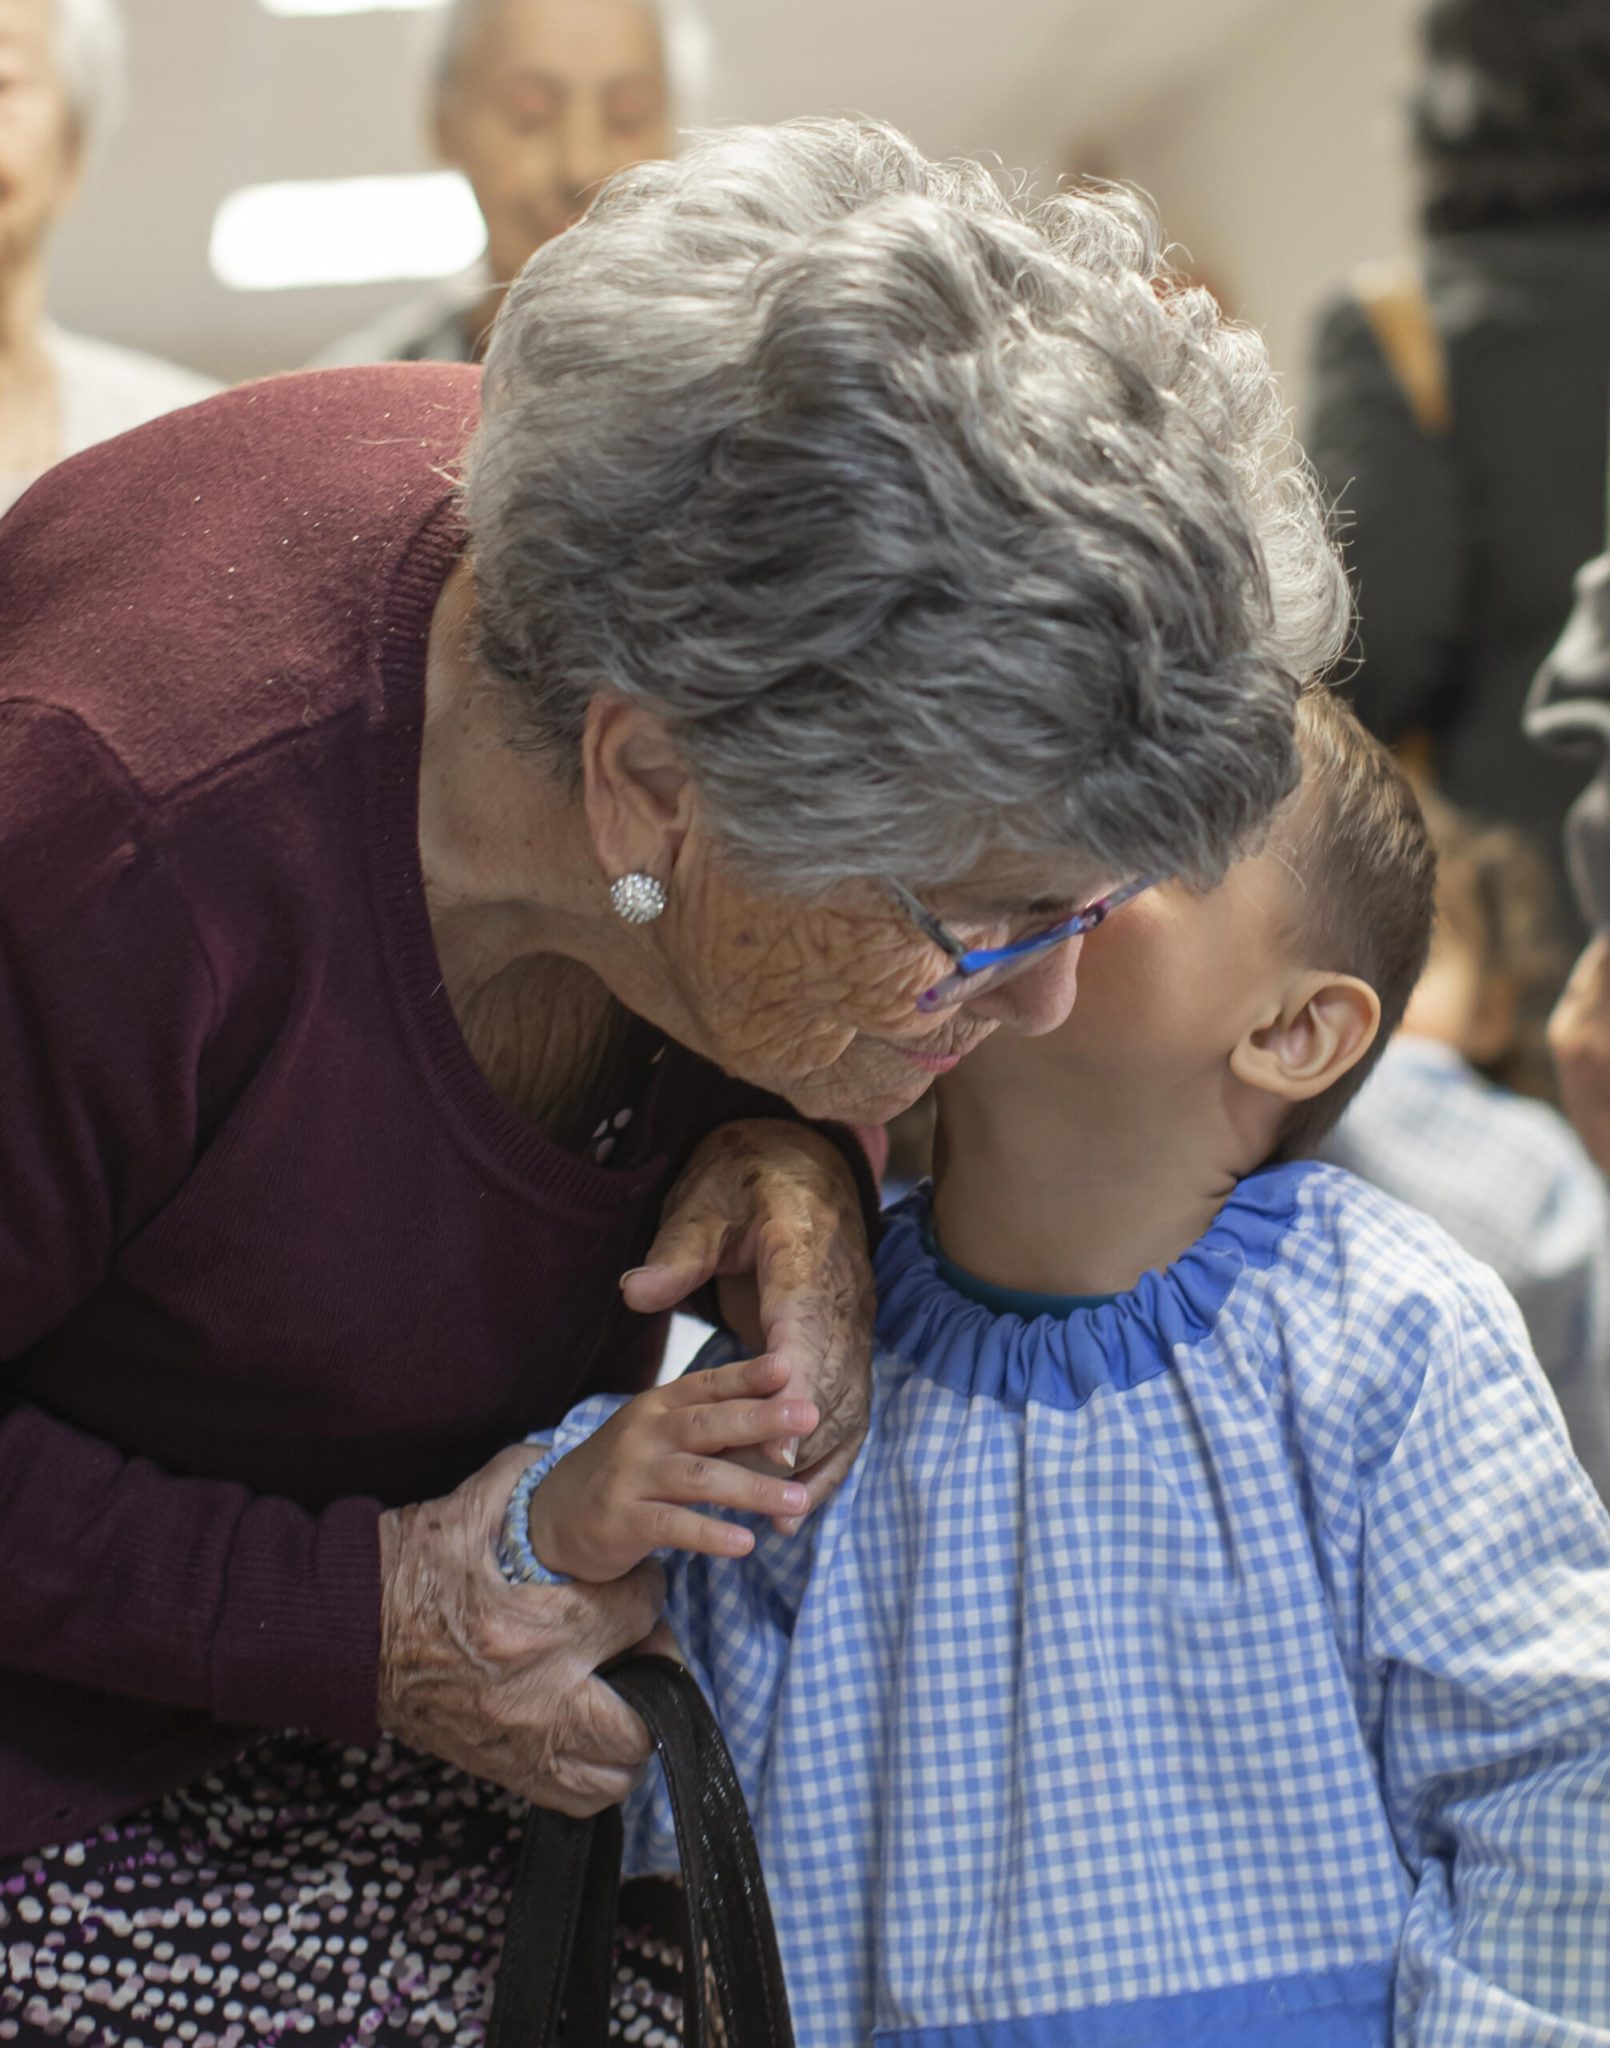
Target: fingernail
x=788, y=1453
x=632, y=1272
x=796, y=1497
x=789, y=1525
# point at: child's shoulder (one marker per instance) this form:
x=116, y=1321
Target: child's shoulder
x=1366, y=1303
x=1356, y=1254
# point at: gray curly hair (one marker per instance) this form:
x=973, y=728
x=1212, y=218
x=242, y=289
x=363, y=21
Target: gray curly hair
x=929, y=521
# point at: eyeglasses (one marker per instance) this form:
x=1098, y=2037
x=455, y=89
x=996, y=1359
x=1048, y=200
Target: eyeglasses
x=976, y=969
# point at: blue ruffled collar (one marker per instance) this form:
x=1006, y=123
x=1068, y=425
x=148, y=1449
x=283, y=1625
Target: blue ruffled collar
x=1060, y=1361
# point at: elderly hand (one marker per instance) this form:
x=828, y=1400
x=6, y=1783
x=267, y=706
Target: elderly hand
x=770, y=1210
x=500, y=1679
x=1579, y=1037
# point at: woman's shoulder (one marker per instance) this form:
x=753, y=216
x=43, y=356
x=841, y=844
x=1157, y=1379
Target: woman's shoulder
x=220, y=578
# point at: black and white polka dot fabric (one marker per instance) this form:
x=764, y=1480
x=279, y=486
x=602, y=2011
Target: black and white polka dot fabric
x=306, y=1894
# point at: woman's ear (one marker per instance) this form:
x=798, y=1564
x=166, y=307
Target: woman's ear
x=636, y=790
x=1326, y=1025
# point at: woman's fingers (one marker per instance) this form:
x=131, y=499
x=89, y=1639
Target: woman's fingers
x=611, y=1618
x=706, y=1216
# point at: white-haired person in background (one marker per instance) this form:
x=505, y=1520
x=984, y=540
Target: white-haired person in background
x=537, y=102
x=61, y=74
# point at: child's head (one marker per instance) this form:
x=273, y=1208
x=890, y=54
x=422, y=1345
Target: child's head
x=1367, y=870
x=1496, y=963
x=1252, y=1012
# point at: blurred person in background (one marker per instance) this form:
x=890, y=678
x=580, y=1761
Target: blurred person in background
x=1459, y=412
x=537, y=102
x=1445, y=1123
x=61, y=67
x=1569, y=711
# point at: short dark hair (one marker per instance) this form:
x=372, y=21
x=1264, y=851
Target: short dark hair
x=1511, y=117
x=1363, y=857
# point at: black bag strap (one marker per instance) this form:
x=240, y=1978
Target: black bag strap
x=557, y=1953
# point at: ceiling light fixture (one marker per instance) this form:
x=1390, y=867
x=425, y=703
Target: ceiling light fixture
x=328, y=231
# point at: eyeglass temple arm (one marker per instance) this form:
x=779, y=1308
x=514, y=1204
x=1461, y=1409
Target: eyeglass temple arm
x=928, y=924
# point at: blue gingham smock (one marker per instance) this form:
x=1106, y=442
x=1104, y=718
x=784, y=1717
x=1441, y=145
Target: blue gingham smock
x=1227, y=1663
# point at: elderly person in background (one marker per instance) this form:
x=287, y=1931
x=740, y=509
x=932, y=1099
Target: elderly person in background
x=410, y=890
x=536, y=102
x=60, y=79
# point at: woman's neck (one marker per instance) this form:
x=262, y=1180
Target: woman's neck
x=1049, y=1195
x=512, y=884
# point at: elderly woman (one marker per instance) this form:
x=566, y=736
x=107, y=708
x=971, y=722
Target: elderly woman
x=422, y=842
x=60, y=80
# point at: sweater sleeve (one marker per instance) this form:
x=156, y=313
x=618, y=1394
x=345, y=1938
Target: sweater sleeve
x=114, y=1573
x=1486, y=1611
x=1397, y=497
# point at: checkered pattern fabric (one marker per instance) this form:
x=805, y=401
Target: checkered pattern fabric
x=1507, y=1179
x=1250, y=1630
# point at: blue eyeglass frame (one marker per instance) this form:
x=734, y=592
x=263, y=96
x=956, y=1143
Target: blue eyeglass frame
x=970, y=962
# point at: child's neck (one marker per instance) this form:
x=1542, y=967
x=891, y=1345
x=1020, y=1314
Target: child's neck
x=1054, y=1197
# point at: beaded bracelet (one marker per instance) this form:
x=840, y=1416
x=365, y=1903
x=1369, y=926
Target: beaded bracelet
x=517, y=1561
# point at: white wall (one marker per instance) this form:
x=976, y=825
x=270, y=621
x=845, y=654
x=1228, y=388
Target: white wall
x=1283, y=163
x=1276, y=162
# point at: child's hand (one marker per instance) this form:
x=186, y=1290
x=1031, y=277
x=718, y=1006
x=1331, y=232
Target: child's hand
x=631, y=1488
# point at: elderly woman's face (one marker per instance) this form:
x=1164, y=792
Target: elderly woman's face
x=817, y=1000
x=38, y=149
x=549, y=98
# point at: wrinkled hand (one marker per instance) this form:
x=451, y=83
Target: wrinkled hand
x=633, y=1486
x=771, y=1211
x=1579, y=1038
x=499, y=1679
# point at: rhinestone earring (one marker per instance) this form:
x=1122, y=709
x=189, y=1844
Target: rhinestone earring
x=638, y=899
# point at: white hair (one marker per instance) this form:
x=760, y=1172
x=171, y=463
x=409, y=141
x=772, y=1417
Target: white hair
x=929, y=520
x=685, y=40
x=90, y=46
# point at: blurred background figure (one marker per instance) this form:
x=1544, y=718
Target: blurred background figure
x=1458, y=407
x=60, y=83
x=536, y=102
x=1449, y=1121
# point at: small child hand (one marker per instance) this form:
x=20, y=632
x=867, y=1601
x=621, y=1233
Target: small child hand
x=632, y=1487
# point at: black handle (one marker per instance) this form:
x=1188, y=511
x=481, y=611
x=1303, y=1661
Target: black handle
x=557, y=1952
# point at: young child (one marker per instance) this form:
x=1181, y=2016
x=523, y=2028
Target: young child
x=1212, y=1641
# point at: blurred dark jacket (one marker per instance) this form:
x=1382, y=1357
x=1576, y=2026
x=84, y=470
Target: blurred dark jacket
x=1463, y=542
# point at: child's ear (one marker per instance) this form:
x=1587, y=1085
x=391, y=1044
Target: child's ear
x=1326, y=1025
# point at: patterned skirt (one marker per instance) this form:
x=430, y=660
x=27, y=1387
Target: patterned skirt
x=341, y=1898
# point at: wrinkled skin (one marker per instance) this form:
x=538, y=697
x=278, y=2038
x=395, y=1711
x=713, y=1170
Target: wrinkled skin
x=499, y=1679
x=771, y=1212
x=816, y=999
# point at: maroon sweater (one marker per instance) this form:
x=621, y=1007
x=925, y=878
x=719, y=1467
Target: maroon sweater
x=272, y=1252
